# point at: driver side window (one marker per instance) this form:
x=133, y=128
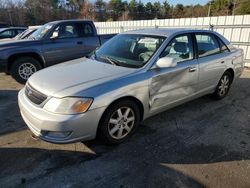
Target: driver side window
x=67, y=31
x=180, y=48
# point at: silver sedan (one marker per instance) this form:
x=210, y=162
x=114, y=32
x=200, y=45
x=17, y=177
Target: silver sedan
x=133, y=76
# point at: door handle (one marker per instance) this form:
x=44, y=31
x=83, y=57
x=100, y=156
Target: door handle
x=80, y=42
x=192, y=69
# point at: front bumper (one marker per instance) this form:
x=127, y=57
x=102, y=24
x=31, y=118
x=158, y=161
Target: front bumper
x=3, y=66
x=42, y=123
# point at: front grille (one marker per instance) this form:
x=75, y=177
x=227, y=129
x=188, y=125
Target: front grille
x=34, y=96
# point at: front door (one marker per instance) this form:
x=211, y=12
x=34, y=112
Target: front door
x=65, y=47
x=170, y=85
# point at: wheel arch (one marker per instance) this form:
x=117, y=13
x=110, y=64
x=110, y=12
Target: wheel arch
x=34, y=55
x=134, y=99
x=231, y=71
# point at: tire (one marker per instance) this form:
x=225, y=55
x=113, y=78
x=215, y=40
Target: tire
x=223, y=86
x=23, y=68
x=121, y=127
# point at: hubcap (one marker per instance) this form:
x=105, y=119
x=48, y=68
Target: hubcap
x=224, y=85
x=121, y=122
x=26, y=70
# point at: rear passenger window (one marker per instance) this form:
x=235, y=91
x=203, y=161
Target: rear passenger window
x=87, y=30
x=207, y=45
x=180, y=48
x=20, y=31
x=223, y=47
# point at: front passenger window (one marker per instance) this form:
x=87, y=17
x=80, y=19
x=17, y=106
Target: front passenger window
x=67, y=31
x=180, y=48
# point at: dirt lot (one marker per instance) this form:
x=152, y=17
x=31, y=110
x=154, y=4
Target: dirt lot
x=203, y=143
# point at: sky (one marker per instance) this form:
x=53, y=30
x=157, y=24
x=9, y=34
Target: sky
x=174, y=2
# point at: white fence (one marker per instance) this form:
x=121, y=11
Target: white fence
x=235, y=28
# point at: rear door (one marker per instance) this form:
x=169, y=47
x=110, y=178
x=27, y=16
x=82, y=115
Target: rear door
x=65, y=47
x=174, y=84
x=89, y=39
x=211, y=60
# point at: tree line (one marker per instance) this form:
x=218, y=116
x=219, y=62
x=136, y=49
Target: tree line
x=30, y=12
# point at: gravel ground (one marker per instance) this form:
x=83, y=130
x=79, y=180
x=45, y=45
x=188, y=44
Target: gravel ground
x=203, y=143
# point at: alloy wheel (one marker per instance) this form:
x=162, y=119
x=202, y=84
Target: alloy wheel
x=121, y=122
x=224, y=85
x=25, y=70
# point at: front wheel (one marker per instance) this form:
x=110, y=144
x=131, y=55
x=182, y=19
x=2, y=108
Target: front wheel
x=223, y=86
x=119, y=122
x=23, y=68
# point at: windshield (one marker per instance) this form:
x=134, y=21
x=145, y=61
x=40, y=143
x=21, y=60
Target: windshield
x=20, y=35
x=41, y=32
x=129, y=50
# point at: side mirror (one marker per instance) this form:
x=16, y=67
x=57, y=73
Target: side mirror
x=166, y=62
x=54, y=35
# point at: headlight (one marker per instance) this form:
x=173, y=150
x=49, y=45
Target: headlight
x=68, y=105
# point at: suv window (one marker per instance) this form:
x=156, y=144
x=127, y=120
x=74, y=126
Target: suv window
x=20, y=31
x=87, y=29
x=67, y=31
x=207, y=45
x=180, y=48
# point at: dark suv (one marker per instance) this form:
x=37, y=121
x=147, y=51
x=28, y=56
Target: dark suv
x=52, y=43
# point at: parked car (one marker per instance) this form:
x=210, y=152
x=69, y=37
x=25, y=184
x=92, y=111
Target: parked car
x=11, y=32
x=25, y=34
x=53, y=43
x=20, y=36
x=133, y=76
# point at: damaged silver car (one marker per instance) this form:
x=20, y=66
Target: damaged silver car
x=133, y=76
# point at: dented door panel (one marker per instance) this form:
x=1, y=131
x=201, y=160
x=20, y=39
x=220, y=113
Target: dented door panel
x=170, y=85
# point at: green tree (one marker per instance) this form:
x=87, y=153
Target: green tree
x=149, y=11
x=243, y=7
x=116, y=8
x=100, y=8
x=165, y=10
x=178, y=11
x=133, y=9
x=221, y=7
x=157, y=9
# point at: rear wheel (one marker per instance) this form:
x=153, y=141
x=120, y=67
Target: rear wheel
x=23, y=68
x=119, y=122
x=223, y=86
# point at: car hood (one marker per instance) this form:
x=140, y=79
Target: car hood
x=69, y=78
x=5, y=44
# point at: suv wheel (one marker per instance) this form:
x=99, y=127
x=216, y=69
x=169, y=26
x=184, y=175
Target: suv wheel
x=23, y=68
x=119, y=122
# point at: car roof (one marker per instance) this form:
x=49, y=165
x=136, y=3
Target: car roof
x=71, y=20
x=166, y=32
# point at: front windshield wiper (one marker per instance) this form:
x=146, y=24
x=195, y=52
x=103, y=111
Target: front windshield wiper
x=112, y=60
